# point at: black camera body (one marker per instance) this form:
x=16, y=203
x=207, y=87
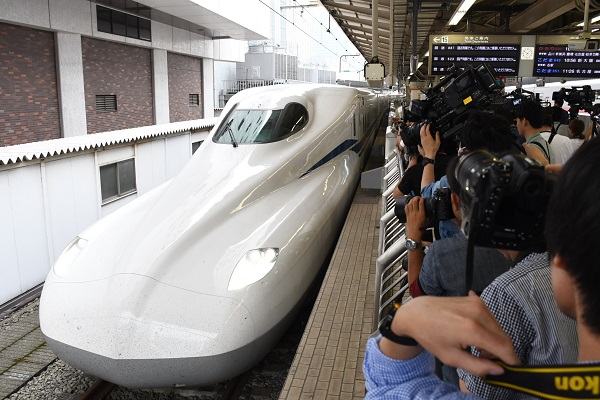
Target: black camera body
x=579, y=98
x=514, y=99
x=437, y=208
x=507, y=198
x=448, y=104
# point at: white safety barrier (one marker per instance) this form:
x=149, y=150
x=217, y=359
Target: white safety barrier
x=391, y=281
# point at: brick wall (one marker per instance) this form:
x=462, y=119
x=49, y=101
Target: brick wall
x=117, y=69
x=28, y=93
x=185, y=78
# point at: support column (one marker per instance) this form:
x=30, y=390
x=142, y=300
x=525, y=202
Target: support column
x=391, y=66
x=415, y=19
x=375, y=26
x=160, y=86
x=71, y=89
x=208, y=87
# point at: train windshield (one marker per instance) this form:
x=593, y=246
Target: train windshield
x=261, y=126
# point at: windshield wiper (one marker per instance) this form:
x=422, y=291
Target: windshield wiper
x=228, y=127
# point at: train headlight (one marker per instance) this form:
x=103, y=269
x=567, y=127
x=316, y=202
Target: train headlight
x=252, y=267
x=69, y=254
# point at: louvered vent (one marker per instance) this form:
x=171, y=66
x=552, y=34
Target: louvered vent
x=194, y=100
x=106, y=102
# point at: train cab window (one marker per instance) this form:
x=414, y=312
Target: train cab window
x=261, y=126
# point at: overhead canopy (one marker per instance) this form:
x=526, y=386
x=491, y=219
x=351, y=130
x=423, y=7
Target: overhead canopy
x=396, y=27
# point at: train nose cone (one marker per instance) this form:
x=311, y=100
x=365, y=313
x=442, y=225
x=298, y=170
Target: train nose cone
x=137, y=332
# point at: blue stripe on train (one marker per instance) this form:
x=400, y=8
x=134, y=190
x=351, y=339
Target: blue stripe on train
x=350, y=144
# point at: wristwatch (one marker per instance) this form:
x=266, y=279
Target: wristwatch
x=386, y=329
x=412, y=245
x=426, y=161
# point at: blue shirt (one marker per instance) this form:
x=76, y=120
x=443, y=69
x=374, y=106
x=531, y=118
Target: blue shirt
x=443, y=271
x=415, y=379
x=447, y=228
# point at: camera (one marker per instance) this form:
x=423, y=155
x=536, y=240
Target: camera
x=507, y=199
x=437, y=208
x=514, y=99
x=579, y=98
x=448, y=104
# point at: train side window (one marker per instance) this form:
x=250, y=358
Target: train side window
x=292, y=120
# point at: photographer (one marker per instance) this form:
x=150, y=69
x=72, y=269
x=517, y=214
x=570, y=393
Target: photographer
x=482, y=130
x=560, y=145
x=559, y=114
x=576, y=136
x=410, y=183
x=445, y=327
x=441, y=272
x=530, y=117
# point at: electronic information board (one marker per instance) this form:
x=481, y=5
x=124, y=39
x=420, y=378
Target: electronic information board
x=500, y=52
x=502, y=58
x=558, y=60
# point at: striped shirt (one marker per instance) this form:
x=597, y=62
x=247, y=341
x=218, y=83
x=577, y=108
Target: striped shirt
x=523, y=303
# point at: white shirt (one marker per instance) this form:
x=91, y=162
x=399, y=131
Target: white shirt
x=576, y=143
x=561, y=147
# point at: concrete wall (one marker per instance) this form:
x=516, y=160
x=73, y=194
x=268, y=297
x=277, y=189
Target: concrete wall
x=224, y=71
x=160, y=86
x=70, y=84
x=208, y=88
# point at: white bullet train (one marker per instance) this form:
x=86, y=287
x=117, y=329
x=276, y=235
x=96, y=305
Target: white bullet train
x=194, y=282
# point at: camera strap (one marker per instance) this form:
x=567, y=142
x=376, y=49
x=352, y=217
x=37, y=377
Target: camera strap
x=469, y=270
x=544, y=151
x=553, y=132
x=556, y=382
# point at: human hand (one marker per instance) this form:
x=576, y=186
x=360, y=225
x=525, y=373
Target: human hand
x=447, y=326
x=412, y=161
x=415, y=218
x=430, y=145
x=554, y=168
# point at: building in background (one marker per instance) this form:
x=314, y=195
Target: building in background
x=305, y=45
x=75, y=67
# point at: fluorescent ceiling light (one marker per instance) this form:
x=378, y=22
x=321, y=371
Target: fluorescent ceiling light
x=593, y=21
x=419, y=64
x=460, y=12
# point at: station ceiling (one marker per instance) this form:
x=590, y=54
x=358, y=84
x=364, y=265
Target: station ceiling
x=396, y=26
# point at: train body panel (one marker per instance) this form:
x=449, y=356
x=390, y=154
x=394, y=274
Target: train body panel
x=211, y=265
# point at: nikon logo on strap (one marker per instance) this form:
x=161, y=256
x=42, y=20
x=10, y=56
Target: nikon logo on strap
x=578, y=383
x=564, y=382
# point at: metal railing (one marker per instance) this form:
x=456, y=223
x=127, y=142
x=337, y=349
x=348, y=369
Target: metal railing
x=237, y=85
x=391, y=280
